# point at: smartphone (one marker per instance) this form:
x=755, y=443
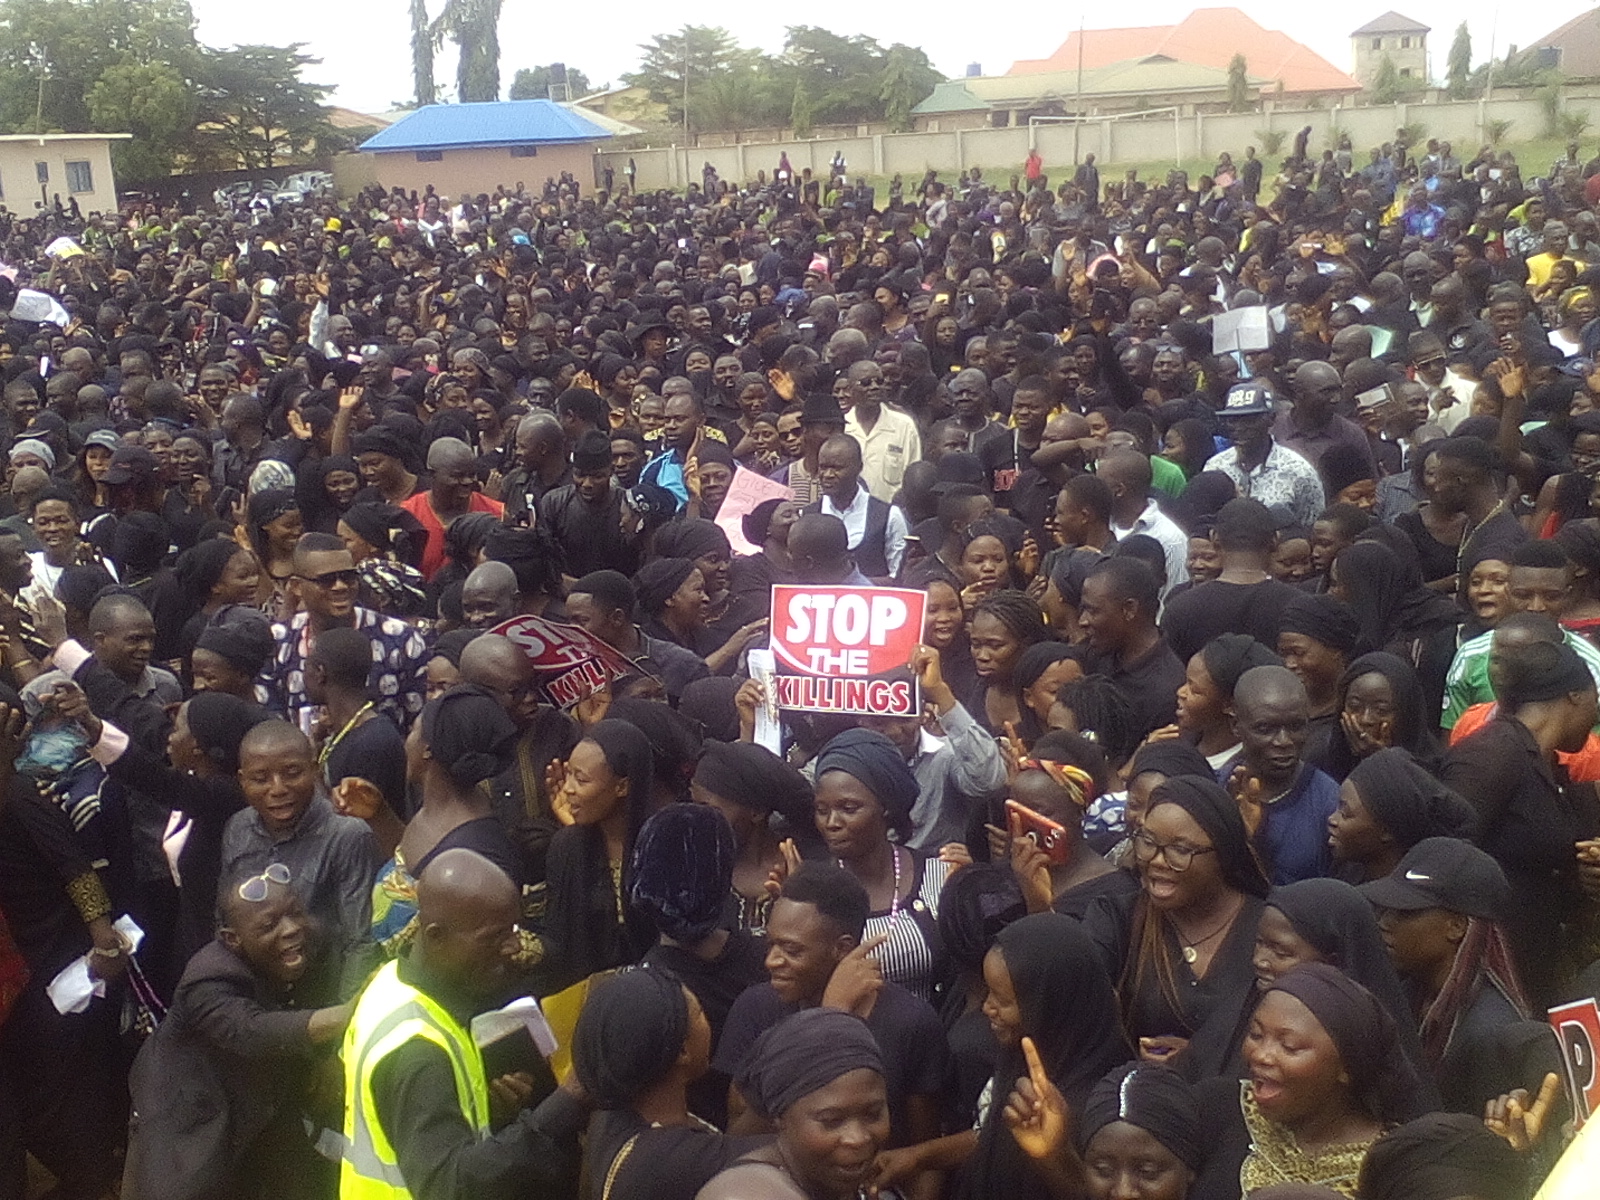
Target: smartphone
x=1050, y=836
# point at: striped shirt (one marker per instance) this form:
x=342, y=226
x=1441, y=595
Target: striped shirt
x=1467, y=682
x=910, y=957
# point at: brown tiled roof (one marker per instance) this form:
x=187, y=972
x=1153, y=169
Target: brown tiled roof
x=1209, y=37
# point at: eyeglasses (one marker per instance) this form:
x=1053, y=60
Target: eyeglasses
x=330, y=579
x=1178, y=854
x=254, y=889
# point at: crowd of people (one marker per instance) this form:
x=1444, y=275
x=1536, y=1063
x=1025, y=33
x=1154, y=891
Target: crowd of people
x=1245, y=835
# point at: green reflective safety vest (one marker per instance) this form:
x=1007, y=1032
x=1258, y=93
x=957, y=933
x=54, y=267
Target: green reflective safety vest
x=389, y=1014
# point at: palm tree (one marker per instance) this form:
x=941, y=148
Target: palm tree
x=424, y=45
x=474, y=26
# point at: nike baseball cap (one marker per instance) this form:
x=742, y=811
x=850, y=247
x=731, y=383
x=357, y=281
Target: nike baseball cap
x=1441, y=872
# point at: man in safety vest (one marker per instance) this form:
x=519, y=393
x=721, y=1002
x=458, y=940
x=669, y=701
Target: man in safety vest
x=417, y=1101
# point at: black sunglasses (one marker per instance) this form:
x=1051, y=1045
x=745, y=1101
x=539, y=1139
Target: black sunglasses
x=333, y=578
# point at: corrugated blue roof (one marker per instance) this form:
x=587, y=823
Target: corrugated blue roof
x=496, y=123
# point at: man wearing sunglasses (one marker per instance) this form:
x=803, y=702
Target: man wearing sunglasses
x=216, y=1090
x=326, y=583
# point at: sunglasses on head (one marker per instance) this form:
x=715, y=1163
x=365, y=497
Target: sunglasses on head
x=255, y=889
x=333, y=578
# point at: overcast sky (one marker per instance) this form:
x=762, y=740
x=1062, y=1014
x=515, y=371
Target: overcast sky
x=365, y=52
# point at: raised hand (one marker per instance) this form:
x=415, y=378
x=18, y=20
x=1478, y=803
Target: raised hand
x=857, y=980
x=1521, y=1123
x=1036, y=1113
x=783, y=868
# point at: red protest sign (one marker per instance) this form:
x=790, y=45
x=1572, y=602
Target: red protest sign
x=833, y=645
x=1577, y=1027
x=569, y=662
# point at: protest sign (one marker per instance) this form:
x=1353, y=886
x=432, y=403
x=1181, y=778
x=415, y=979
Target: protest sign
x=846, y=649
x=1577, y=1027
x=748, y=489
x=1242, y=329
x=569, y=663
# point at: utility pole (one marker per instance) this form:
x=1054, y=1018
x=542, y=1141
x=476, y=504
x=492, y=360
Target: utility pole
x=42, y=65
x=686, y=86
x=1488, y=83
x=1077, y=116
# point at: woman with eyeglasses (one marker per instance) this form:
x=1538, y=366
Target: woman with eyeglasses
x=1180, y=948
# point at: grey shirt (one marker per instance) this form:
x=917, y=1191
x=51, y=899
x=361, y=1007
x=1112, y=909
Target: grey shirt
x=332, y=861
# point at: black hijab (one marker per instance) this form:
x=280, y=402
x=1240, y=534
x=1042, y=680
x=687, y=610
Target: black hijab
x=1412, y=725
x=1382, y=1079
x=631, y=1030
x=1217, y=813
x=1388, y=596
x=1155, y=1099
x=1409, y=801
x=1069, y=1010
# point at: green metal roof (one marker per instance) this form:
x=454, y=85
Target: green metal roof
x=1154, y=74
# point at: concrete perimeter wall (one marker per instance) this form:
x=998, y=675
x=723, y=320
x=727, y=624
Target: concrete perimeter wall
x=1151, y=139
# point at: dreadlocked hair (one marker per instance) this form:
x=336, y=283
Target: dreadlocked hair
x=1482, y=960
x=1104, y=715
x=1019, y=613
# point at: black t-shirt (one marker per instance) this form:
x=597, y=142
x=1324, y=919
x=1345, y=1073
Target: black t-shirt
x=1200, y=614
x=1150, y=682
x=375, y=751
x=916, y=1060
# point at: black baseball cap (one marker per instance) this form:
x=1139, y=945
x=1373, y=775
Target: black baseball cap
x=1441, y=872
x=1248, y=399
x=131, y=464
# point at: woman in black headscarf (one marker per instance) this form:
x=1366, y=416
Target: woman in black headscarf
x=198, y=780
x=212, y=574
x=386, y=542
x=818, y=1060
x=1350, y=1080
x=676, y=743
x=1387, y=804
x=1181, y=948
x=1326, y=920
x=1443, y=1156
x=606, y=789
x=705, y=545
x=642, y=1041
x=1045, y=983
x=1139, y=1123
x=977, y=903
x=682, y=869
x=1381, y=704
x=1398, y=613
x=272, y=525
x=231, y=651
x=864, y=791
x=1205, y=701
x=1317, y=637
x=1040, y=673
x=766, y=527
x=764, y=800
x=326, y=488
x=465, y=540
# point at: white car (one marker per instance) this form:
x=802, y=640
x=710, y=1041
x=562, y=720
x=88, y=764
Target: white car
x=301, y=186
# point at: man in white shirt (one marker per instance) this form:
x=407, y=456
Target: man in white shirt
x=1127, y=474
x=876, y=531
x=889, y=440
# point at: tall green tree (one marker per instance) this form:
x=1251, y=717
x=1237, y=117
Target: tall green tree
x=156, y=104
x=424, y=46
x=705, y=51
x=1238, y=84
x=254, y=105
x=1458, y=66
x=533, y=83
x=77, y=41
x=904, y=85
x=1385, y=85
x=474, y=26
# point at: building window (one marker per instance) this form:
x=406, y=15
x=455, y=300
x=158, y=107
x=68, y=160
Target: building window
x=430, y=155
x=1377, y=43
x=1405, y=43
x=1405, y=72
x=80, y=177
x=524, y=152
x=41, y=172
